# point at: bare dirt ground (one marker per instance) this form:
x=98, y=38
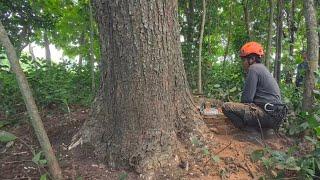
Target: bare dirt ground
x=227, y=156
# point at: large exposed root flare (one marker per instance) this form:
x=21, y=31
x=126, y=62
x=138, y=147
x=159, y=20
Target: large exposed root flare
x=189, y=122
x=92, y=129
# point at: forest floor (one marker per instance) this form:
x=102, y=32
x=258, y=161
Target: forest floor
x=230, y=147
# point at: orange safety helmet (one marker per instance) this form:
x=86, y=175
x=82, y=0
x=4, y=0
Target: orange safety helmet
x=251, y=48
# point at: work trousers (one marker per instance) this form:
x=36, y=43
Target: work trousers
x=248, y=115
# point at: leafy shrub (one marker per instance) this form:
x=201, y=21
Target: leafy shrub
x=225, y=82
x=58, y=84
x=283, y=164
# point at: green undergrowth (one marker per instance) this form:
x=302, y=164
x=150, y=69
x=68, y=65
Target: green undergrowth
x=57, y=85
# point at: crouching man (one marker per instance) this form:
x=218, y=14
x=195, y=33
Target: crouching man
x=261, y=106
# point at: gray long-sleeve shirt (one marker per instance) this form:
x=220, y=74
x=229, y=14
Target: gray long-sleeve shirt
x=260, y=87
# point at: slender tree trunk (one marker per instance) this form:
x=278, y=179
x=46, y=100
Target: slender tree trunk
x=31, y=105
x=226, y=51
x=270, y=30
x=80, y=60
x=190, y=43
x=144, y=108
x=313, y=53
x=47, y=47
x=21, y=42
x=318, y=5
x=93, y=84
x=200, y=91
x=292, y=29
x=31, y=52
x=190, y=17
x=277, y=70
x=82, y=43
x=247, y=18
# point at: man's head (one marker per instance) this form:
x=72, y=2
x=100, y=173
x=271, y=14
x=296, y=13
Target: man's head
x=251, y=53
x=249, y=60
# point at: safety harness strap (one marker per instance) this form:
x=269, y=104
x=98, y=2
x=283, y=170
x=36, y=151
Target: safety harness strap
x=277, y=111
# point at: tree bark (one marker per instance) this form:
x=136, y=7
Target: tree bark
x=47, y=47
x=144, y=109
x=277, y=70
x=200, y=91
x=270, y=30
x=31, y=105
x=313, y=53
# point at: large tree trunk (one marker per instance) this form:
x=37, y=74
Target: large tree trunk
x=312, y=50
x=270, y=30
x=200, y=91
x=144, y=107
x=35, y=118
x=277, y=64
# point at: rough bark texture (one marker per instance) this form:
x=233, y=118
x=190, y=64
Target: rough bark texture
x=277, y=65
x=200, y=46
x=144, y=108
x=31, y=105
x=270, y=30
x=312, y=50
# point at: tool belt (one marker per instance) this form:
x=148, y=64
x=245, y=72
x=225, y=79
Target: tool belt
x=277, y=111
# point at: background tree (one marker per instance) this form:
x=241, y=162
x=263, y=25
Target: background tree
x=277, y=65
x=269, y=39
x=200, y=46
x=91, y=48
x=292, y=30
x=247, y=20
x=47, y=47
x=313, y=53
